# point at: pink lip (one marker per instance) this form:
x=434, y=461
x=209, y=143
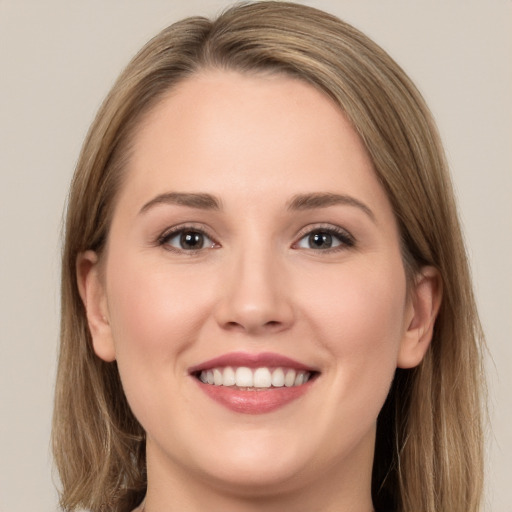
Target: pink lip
x=252, y=402
x=267, y=359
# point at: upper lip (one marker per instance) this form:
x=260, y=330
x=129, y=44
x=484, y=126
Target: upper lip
x=263, y=359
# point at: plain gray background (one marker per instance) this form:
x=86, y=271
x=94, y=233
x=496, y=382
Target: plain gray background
x=57, y=61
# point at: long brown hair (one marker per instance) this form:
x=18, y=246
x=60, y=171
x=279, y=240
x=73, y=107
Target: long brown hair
x=429, y=437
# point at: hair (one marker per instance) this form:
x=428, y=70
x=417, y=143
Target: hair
x=429, y=449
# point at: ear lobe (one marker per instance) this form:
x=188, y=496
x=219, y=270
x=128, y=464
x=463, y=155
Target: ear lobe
x=92, y=292
x=425, y=301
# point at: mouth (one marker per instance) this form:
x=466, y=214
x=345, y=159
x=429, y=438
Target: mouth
x=253, y=383
x=254, y=379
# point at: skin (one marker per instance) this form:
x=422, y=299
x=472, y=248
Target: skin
x=255, y=142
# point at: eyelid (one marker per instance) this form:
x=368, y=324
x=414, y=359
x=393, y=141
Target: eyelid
x=172, y=231
x=346, y=238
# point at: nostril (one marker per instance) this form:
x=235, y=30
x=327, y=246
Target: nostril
x=234, y=325
x=271, y=326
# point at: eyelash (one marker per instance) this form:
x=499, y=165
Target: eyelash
x=345, y=239
x=164, y=238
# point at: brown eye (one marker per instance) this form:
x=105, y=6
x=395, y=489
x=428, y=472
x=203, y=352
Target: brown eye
x=320, y=240
x=188, y=240
x=191, y=240
x=325, y=239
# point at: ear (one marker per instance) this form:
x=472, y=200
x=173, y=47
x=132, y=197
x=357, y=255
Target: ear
x=424, y=302
x=92, y=292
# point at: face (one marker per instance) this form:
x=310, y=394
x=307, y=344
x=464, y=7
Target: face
x=252, y=290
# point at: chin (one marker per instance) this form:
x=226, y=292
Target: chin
x=259, y=462
x=257, y=477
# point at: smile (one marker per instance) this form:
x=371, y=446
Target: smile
x=253, y=383
x=254, y=379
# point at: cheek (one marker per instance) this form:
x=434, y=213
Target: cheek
x=152, y=306
x=155, y=316
x=369, y=299
x=359, y=318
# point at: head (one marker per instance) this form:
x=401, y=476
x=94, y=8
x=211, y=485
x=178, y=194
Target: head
x=422, y=462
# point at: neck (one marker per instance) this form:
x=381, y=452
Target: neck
x=171, y=487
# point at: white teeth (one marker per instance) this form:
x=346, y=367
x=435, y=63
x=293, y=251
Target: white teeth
x=262, y=378
x=243, y=377
x=217, y=377
x=278, y=378
x=299, y=380
x=289, y=379
x=228, y=376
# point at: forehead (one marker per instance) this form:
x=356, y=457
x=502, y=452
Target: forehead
x=221, y=131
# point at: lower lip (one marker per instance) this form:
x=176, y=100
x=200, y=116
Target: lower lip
x=254, y=402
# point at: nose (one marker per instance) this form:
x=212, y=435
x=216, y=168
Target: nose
x=255, y=297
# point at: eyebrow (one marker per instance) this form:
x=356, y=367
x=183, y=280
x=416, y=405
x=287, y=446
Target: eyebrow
x=298, y=202
x=192, y=200
x=326, y=199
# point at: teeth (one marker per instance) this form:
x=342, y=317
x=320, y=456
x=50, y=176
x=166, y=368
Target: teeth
x=228, y=376
x=243, y=377
x=262, y=378
x=217, y=377
x=278, y=378
x=289, y=379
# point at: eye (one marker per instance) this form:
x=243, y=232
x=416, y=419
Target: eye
x=187, y=240
x=324, y=239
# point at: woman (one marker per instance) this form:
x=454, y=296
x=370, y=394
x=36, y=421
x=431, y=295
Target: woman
x=266, y=303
